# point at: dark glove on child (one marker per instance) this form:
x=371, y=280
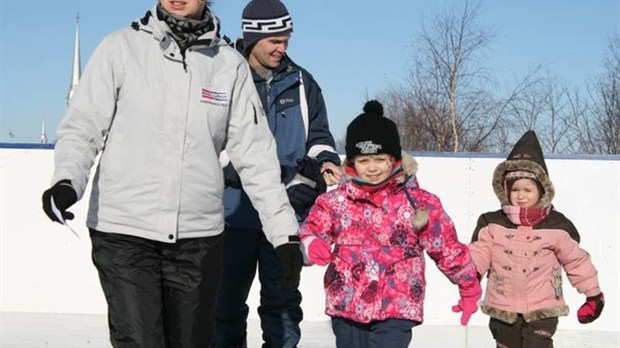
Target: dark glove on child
x=291, y=260
x=591, y=310
x=64, y=196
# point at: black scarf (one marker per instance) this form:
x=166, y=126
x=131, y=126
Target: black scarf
x=186, y=31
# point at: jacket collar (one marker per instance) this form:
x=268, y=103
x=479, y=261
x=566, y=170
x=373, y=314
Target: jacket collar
x=160, y=31
x=283, y=70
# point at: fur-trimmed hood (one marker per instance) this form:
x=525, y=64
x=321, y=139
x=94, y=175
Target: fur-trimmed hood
x=525, y=156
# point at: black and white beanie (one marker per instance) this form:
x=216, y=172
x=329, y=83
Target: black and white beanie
x=264, y=18
x=370, y=133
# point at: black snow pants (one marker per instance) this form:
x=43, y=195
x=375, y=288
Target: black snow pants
x=159, y=295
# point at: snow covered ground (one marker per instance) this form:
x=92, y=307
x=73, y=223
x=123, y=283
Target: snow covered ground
x=30, y=330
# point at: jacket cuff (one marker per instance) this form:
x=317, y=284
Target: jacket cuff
x=328, y=156
x=592, y=292
x=305, y=245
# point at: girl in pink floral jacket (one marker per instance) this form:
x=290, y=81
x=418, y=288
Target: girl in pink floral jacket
x=379, y=222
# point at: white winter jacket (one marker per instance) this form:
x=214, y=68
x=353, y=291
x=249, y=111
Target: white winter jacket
x=159, y=121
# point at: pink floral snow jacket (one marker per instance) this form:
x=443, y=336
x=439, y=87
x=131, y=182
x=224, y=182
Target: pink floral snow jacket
x=377, y=267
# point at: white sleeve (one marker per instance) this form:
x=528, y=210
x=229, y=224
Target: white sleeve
x=252, y=151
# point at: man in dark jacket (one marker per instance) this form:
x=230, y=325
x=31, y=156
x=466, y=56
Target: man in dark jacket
x=297, y=117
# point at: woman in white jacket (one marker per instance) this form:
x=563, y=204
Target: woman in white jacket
x=158, y=101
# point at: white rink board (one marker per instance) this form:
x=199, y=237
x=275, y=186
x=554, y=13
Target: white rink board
x=45, y=269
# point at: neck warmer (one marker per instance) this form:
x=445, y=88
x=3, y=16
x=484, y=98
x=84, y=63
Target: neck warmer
x=186, y=31
x=526, y=216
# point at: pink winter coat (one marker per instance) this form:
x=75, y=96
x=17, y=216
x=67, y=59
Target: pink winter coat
x=525, y=263
x=377, y=267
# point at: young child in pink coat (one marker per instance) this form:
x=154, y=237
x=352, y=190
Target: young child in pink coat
x=523, y=248
x=380, y=223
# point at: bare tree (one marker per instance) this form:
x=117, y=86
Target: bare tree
x=443, y=104
x=450, y=76
x=595, y=120
x=582, y=138
x=607, y=110
x=556, y=126
x=448, y=101
x=516, y=112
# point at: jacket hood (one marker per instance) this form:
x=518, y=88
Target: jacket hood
x=526, y=155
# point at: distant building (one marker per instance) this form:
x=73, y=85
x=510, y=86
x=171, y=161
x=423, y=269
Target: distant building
x=76, y=71
x=43, y=137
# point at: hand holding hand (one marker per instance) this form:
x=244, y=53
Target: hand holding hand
x=468, y=304
x=331, y=173
x=291, y=260
x=64, y=196
x=310, y=168
x=591, y=310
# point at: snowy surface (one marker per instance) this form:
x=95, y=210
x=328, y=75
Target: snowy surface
x=28, y=330
x=46, y=272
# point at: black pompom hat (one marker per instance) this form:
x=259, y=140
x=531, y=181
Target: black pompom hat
x=370, y=134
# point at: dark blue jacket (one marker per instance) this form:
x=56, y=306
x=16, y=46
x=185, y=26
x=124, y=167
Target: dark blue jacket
x=296, y=135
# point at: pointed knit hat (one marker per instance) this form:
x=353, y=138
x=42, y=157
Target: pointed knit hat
x=526, y=160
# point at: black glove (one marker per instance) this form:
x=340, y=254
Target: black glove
x=311, y=169
x=64, y=196
x=302, y=198
x=231, y=177
x=291, y=260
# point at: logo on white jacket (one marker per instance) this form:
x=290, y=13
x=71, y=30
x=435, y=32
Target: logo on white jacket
x=208, y=95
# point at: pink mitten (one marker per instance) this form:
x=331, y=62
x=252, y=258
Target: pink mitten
x=319, y=252
x=468, y=304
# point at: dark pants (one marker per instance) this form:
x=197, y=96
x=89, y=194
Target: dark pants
x=536, y=334
x=393, y=333
x=280, y=311
x=158, y=294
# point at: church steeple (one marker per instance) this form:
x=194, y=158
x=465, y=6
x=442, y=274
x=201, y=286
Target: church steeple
x=76, y=71
x=43, y=137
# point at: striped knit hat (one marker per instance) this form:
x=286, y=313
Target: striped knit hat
x=264, y=18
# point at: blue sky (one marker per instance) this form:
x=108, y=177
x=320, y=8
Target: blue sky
x=354, y=48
